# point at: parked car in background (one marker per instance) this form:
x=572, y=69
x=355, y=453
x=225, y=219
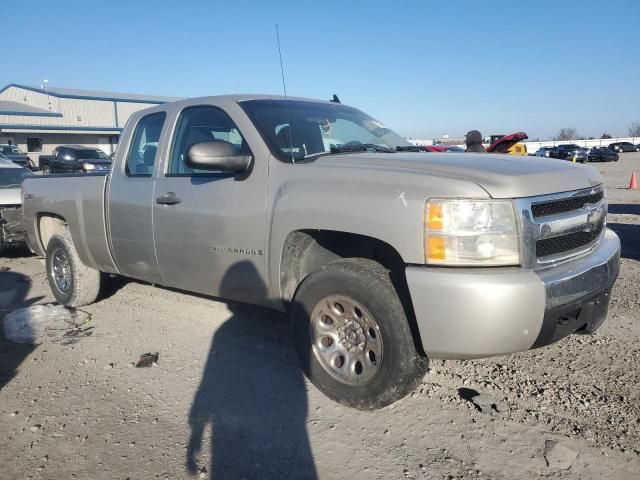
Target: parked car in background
x=16, y=155
x=74, y=159
x=579, y=155
x=543, y=152
x=361, y=243
x=11, y=177
x=624, y=147
x=602, y=154
x=569, y=151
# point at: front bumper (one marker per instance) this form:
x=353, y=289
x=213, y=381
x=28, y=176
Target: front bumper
x=474, y=313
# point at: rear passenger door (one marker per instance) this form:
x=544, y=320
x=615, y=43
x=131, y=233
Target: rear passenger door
x=130, y=200
x=211, y=237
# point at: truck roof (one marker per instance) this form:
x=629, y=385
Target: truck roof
x=245, y=97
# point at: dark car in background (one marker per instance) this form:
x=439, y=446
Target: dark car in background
x=569, y=151
x=624, y=147
x=602, y=154
x=75, y=159
x=16, y=155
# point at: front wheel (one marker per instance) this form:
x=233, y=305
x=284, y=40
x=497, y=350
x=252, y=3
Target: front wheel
x=352, y=335
x=46, y=170
x=72, y=283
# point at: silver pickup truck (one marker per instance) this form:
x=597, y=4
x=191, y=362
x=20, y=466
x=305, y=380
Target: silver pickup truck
x=383, y=257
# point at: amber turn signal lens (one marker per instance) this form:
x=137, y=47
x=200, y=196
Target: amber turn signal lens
x=435, y=248
x=434, y=217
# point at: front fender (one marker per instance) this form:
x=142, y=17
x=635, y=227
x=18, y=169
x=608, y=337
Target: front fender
x=387, y=206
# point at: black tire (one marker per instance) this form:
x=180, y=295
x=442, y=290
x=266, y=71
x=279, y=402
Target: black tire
x=366, y=282
x=46, y=170
x=83, y=284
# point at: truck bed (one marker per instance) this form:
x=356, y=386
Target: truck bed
x=79, y=200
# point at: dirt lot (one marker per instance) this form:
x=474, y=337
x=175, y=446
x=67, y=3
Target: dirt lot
x=226, y=399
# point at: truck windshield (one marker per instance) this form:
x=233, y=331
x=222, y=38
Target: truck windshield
x=296, y=129
x=91, y=155
x=12, y=177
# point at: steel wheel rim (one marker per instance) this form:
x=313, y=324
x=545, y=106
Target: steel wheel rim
x=61, y=270
x=346, y=340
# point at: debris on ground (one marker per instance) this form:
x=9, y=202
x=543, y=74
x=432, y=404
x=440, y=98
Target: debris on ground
x=147, y=360
x=558, y=456
x=483, y=402
x=27, y=325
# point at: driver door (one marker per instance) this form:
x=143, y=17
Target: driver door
x=210, y=227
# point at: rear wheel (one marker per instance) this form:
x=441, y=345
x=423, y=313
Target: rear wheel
x=353, y=337
x=72, y=283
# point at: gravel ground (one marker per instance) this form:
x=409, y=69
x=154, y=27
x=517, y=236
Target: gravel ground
x=226, y=400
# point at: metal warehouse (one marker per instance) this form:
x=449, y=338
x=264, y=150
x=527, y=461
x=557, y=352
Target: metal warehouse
x=38, y=119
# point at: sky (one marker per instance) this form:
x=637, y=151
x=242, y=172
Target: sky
x=424, y=68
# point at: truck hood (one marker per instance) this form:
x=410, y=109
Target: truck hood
x=10, y=196
x=502, y=176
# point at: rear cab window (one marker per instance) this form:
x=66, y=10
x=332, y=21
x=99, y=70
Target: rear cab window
x=143, y=149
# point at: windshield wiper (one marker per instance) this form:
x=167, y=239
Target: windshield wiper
x=408, y=148
x=354, y=147
x=378, y=148
x=361, y=147
x=347, y=149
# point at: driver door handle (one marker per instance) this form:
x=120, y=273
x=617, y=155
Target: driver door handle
x=168, y=199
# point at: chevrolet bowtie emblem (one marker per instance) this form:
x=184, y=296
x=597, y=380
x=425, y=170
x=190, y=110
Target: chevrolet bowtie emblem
x=594, y=218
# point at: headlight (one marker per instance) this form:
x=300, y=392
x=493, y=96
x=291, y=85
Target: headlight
x=471, y=233
x=89, y=166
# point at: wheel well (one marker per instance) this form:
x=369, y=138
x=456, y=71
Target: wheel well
x=48, y=225
x=306, y=251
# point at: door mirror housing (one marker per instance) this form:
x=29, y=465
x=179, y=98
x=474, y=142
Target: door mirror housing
x=217, y=155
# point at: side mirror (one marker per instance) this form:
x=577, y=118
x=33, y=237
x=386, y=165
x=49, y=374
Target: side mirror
x=217, y=155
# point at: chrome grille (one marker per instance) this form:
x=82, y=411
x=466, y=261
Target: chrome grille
x=565, y=243
x=556, y=207
x=558, y=227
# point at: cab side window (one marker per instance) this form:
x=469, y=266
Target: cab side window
x=144, y=145
x=202, y=124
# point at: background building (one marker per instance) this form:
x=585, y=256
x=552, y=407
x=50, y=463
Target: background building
x=38, y=119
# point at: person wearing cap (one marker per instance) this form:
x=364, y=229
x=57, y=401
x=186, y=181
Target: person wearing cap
x=473, y=140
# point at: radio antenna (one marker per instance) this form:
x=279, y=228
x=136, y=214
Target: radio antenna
x=284, y=89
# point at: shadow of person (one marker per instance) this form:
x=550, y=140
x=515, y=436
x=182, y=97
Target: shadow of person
x=252, y=396
x=14, y=288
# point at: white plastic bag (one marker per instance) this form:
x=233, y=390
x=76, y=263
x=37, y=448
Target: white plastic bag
x=27, y=325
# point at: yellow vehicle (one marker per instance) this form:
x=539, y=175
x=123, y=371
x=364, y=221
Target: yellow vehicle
x=518, y=149
x=508, y=144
